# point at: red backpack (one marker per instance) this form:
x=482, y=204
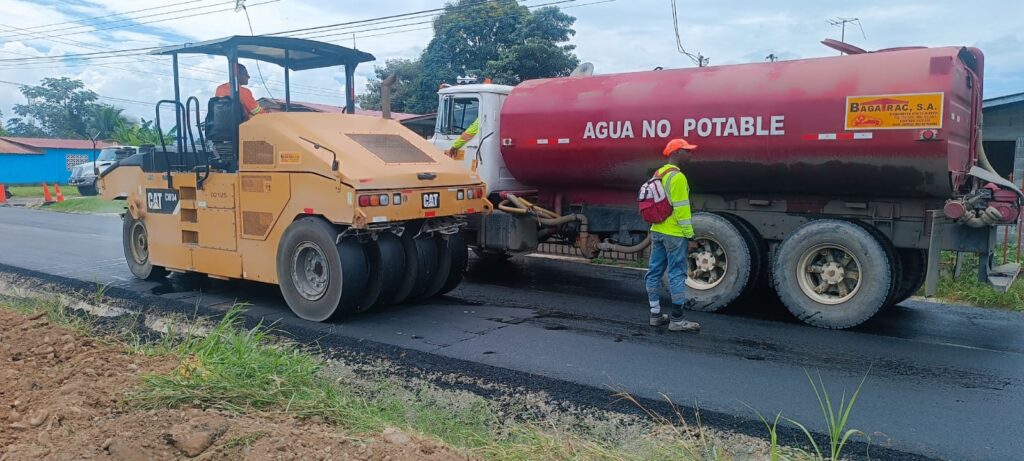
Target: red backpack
x=655, y=206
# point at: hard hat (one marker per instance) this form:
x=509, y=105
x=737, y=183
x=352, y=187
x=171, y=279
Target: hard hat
x=676, y=144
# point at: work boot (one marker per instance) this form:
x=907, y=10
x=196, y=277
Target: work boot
x=658, y=320
x=684, y=325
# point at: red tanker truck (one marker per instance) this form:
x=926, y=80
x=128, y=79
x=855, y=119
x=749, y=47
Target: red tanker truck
x=834, y=181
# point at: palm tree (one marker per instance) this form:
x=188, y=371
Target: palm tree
x=105, y=120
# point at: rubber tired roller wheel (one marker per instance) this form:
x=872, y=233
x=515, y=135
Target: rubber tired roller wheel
x=386, y=259
x=319, y=279
x=427, y=262
x=832, y=274
x=719, y=268
x=135, y=240
x=400, y=292
x=460, y=259
x=444, y=267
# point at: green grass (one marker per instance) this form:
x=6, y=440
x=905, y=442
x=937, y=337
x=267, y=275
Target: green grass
x=87, y=205
x=243, y=371
x=37, y=191
x=967, y=289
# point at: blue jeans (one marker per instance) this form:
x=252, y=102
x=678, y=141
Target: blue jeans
x=667, y=253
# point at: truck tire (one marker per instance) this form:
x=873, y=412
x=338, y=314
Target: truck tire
x=914, y=264
x=719, y=269
x=460, y=259
x=135, y=240
x=759, y=261
x=312, y=274
x=832, y=274
x=385, y=259
x=87, y=191
x=896, y=281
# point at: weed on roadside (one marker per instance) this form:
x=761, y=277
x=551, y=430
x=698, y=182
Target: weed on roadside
x=966, y=288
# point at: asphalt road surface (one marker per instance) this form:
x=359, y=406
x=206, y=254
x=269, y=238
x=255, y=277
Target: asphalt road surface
x=942, y=381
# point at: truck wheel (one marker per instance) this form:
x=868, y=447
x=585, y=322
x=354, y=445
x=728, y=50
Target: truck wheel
x=895, y=263
x=135, y=240
x=719, y=268
x=759, y=261
x=832, y=274
x=311, y=274
x=355, y=273
x=460, y=259
x=87, y=190
x=913, y=271
x=386, y=260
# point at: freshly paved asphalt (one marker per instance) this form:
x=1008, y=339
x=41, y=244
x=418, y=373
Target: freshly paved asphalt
x=942, y=381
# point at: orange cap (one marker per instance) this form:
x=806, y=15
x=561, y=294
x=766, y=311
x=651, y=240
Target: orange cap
x=676, y=144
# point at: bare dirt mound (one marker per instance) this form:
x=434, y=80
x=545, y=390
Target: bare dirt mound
x=62, y=397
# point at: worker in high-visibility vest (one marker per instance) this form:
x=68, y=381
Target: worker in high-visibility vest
x=464, y=138
x=670, y=241
x=249, y=104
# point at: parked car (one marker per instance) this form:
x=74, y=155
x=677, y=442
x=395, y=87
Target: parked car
x=84, y=176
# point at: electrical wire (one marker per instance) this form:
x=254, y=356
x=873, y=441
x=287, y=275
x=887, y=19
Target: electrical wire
x=697, y=59
x=251, y=32
x=126, y=19
x=77, y=21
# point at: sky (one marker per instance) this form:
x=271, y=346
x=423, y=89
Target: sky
x=615, y=35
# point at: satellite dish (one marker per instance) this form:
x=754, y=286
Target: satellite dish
x=583, y=70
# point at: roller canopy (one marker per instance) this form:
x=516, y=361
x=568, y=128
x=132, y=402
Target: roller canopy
x=292, y=53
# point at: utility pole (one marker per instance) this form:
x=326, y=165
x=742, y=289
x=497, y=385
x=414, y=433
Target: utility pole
x=841, y=23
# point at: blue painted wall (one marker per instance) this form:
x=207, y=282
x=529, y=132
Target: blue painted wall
x=50, y=166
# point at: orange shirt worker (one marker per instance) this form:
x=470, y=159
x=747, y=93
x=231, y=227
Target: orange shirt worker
x=252, y=108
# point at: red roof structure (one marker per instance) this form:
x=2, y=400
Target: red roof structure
x=15, y=145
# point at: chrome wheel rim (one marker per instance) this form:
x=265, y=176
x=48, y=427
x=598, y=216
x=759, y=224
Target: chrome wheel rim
x=139, y=242
x=310, y=271
x=829, y=274
x=706, y=265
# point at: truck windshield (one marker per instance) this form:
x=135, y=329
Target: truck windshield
x=459, y=114
x=110, y=154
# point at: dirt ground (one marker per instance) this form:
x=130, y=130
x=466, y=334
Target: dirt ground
x=62, y=396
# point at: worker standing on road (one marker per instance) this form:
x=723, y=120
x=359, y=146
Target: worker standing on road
x=252, y=108
x=670, y=240
x=466, y=136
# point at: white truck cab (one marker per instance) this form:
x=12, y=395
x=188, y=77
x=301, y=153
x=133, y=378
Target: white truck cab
x=458, y=107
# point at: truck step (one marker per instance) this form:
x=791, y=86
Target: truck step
x=1001, y=277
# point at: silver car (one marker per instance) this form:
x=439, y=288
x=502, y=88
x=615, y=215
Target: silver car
x=84, y=176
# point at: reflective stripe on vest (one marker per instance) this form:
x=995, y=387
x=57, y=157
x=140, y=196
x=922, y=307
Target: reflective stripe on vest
x=681, y=203
x=685, y=222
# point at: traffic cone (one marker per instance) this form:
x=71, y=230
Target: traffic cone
x=47, y=198
x=3, y=195
x=60, y=195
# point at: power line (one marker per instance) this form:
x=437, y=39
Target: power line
x=76, y=21
x=698, y=59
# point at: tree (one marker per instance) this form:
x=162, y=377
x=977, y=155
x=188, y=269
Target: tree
x=57, y=107
x=403, y=92
x=3, y=132
x=137, y=134
x=500, y=39
x=104, y=121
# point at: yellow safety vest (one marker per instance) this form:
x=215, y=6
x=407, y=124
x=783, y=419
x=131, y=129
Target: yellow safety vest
x=473, y=129
x=680, y=224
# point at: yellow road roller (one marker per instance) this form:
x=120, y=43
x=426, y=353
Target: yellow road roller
x=344, y=212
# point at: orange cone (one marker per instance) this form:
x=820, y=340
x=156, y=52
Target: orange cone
x=60, y=195
x=3, y=195
x=46, y=194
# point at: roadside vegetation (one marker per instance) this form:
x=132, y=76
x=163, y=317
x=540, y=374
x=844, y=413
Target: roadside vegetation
x=225, y=369
x=966, y=288
x=87, y=205
x=36, y=191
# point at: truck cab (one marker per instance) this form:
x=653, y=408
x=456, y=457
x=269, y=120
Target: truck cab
x=458, y=107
